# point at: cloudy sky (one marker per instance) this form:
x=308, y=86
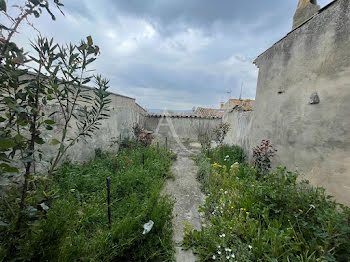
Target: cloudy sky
x=174, y=54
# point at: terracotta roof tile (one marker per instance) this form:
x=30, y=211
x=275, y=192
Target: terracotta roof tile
x=245, y=105
x=181, y=115
x=210, y=112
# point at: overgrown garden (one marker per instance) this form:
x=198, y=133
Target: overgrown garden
x=62, y=211
x=254, y=214
x=66, y=218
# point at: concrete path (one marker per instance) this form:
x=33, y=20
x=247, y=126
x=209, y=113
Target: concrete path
x=184, y=189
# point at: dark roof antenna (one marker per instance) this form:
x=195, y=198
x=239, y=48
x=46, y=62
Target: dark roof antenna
x=240, y=96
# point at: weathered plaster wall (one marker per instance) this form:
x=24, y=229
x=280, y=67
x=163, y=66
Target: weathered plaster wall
x=311, y=138
x=180, y=127
x=124, y=113
x=240, y=126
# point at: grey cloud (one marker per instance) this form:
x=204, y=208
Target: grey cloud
x=202, y=12
x=174, y=68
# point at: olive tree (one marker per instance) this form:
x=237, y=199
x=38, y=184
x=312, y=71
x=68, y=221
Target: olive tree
x=30, y=83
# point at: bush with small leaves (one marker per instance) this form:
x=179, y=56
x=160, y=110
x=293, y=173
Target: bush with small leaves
x=262, y=155
x=221, y=132
x=278, y=218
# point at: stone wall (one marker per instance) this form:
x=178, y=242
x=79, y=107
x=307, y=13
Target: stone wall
x=183, y=128
x=124, y=112
x=311, y=137
x=240, y=125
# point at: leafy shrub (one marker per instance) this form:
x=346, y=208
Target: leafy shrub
x=137, y=130
x=270, y=219
x=221, y=132
x=203, y=172
x=205, y=134
x=141, y=135
x=26, y=99
x=98, y=152
x=75, y=226
x=262, y=155
x=231, y=154
x=227, y=155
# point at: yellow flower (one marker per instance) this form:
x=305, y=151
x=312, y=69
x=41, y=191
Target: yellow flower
x=220, y=200
x=300, y=210
x=232, y=207
x=230, y=228
x=247, y=213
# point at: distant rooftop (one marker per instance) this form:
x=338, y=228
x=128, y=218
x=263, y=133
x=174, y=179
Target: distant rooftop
x=209, y=112
x=182, y=115
x=238, y=104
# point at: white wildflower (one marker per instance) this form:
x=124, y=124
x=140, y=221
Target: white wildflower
x=250, y=247
x=219, y=252
x=214, y=257
x=225, y=192
x=233, y=256
x=228, y=257
x=219, y=246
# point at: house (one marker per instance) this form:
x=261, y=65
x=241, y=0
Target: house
x=238, y=104
x=209, y=112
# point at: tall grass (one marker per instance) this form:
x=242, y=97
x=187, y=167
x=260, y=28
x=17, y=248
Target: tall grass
x=266, y=217
x=75, y=227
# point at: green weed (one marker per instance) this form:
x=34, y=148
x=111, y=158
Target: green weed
x=75, y=226
x=265, y=217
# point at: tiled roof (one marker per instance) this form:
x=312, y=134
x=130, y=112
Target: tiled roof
x=245, y=105
x=210, y=112
x=184, y=115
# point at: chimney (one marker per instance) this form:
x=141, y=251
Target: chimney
x=305, y=10
x=222, y=104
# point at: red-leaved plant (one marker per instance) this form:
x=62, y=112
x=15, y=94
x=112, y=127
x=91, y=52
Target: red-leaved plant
x=141, y=135
x=137, y=130
x=262, y=155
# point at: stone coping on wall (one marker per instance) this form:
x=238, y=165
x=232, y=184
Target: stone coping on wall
x=182, y=116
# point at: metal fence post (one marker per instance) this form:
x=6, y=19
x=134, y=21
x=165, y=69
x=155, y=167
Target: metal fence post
x=143, y=160
x=108, y=180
